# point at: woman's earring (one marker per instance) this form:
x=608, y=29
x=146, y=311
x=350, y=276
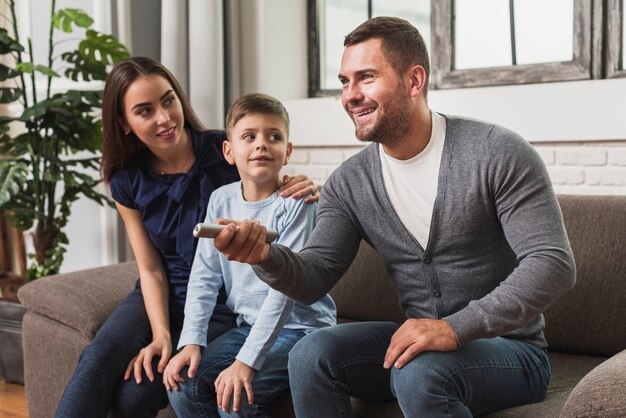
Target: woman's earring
x=127, y=132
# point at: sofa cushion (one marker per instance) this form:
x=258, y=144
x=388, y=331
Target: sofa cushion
x=567, y=370
x=87, y=297
x=365, y=291
x=583, y=321
x=601, y=392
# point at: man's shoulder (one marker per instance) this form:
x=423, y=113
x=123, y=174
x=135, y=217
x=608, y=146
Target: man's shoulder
x=465, y=126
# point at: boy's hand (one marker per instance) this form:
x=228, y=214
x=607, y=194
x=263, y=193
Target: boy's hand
x=242, y=241
x=230, y=382
x=298, y=187
x=189, y=356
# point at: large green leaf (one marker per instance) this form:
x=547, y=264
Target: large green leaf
x=13, y=175
x=81, y=66
x=102, y=48
x=64, y=18
x=29, y=68
x=8, y=44
x=9, y=94
x=6, y=72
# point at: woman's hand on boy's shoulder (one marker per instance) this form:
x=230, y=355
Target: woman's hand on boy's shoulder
x=188, y=356
x=298, y=187
x=235, y=378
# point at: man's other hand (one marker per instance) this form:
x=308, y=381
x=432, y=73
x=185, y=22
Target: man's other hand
x=417, y=335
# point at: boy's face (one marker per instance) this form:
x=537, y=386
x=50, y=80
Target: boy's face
x=258, y=146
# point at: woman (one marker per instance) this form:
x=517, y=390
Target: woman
x=162, y=166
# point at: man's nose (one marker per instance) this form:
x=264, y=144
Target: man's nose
x=352, y=93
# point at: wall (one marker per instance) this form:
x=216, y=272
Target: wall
x=597, y=167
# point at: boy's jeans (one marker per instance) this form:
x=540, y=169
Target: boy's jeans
x=332, y=364
x=196, y=397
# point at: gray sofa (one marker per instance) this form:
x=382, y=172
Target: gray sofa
x=584, y=328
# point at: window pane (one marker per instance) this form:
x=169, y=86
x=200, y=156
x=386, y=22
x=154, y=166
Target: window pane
x=337, y=18
x=544, y=30
x=482, y=34
x=415, y=11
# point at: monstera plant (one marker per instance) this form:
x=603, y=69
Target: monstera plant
x=49, y=149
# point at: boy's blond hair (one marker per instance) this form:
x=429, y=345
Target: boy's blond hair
x=256, y=103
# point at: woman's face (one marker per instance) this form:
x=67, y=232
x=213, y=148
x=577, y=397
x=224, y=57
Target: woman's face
x=153, y=112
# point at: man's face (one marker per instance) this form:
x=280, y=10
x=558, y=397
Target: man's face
x=373, y=95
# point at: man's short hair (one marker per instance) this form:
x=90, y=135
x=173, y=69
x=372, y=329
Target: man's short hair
x=402, y=44
x=256, y=103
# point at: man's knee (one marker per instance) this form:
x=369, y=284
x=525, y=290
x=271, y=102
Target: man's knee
x=312, y=352
x=419, y=378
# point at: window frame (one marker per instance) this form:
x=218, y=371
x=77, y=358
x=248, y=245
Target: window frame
x=615, y=67
x=597, y=46
x=445, y=76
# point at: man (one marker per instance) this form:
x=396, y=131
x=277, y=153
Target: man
x=465, y=217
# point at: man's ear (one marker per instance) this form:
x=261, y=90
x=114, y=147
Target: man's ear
x=417, y=80
x=288, y=153
x=228, y=152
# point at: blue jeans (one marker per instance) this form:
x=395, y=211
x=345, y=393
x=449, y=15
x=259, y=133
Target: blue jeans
x=196, y=397
x=332, y=364
x=97, y=386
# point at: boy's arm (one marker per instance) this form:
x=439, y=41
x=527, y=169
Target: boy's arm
x=203, y=288
x=277, y=307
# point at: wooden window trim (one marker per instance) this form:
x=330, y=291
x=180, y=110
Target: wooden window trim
x=615, y=68
x=445, y=76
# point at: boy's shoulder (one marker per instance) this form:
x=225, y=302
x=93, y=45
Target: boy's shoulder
x=225, y=193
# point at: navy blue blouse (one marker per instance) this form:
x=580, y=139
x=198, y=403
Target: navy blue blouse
x=172, y=204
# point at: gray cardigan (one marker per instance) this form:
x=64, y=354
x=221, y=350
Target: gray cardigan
x=497, y=256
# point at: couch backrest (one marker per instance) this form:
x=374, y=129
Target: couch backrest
x=588, y=320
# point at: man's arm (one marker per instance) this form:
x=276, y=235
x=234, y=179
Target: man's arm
x=532, y=223
x=309, y=275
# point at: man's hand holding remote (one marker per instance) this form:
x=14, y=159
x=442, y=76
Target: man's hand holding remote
x=242, y=241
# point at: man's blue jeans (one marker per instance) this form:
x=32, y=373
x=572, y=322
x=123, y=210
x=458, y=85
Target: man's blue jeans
x=196, y=397
x=332, y=364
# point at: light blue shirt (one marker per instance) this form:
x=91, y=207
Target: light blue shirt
x=266, y=310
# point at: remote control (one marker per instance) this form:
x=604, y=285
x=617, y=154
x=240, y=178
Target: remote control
x=211, y=230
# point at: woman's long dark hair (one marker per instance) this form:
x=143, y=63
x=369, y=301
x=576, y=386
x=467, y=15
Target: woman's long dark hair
x=118, y=148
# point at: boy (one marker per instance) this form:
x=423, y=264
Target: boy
x=251, y=357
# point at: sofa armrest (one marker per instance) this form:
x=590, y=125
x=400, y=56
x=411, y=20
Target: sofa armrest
x=81, y=300
x=601, y=393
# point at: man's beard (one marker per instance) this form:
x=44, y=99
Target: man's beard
x=394, y=124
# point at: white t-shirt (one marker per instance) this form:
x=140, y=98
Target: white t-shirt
x=412, y=184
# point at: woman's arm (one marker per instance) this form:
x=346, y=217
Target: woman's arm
x=154, y=288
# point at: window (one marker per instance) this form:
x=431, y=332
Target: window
x=547, y=40
x=330, y=21
x=483, y=42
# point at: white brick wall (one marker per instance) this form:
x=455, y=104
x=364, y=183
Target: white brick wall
x=574, y=167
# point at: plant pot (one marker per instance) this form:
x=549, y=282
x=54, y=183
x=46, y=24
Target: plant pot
x=11, y=351
x=9, y=283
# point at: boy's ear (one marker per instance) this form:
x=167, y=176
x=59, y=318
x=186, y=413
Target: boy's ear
x=288, y=153
x=228, y=152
